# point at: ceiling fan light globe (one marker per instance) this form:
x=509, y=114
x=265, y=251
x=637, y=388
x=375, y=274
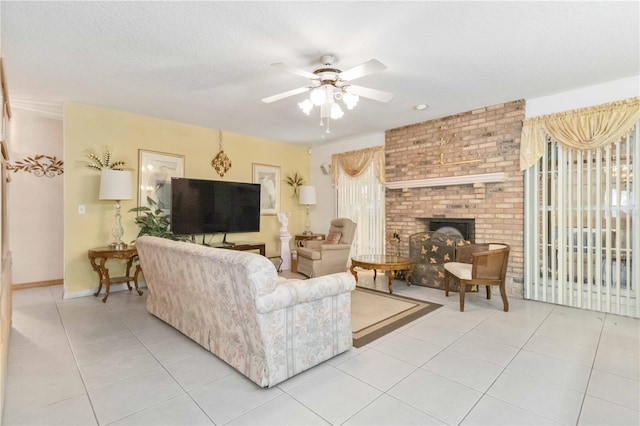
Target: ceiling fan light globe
x=318, y=96
x=350, y=100
x=336, y=112
x=306, y=106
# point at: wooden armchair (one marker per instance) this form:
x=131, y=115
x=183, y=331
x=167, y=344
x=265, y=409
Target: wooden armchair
x=479, y=264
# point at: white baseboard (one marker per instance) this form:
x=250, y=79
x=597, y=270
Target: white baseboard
x=84, y=293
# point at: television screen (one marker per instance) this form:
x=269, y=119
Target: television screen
x=201, y=206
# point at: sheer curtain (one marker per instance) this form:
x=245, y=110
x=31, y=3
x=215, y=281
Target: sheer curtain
x=582, y=219
x=359, y=180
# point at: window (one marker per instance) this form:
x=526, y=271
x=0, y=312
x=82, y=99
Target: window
x=361, y=199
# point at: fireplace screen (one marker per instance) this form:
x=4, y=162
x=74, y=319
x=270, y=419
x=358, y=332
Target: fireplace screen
x=430, y=251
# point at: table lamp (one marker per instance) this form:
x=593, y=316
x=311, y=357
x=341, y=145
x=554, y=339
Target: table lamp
x=116, y=185
x=307, y=198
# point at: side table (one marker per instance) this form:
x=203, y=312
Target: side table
x=301, y=238
x=98, y=258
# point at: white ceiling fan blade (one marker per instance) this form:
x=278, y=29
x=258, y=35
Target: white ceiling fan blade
x=294, y=70
x=363, y=69
x=285, y=94
x=365, y=92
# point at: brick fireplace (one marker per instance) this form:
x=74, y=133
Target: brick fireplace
x=465, y=228
x=464, y=166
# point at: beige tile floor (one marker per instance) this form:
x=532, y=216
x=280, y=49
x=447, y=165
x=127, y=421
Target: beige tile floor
x=82, y=362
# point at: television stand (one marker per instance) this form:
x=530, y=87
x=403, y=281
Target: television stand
x=193, y=240
x=225, y=243
x=260, y=247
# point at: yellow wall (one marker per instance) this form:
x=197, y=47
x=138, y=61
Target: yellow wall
x=89, y=127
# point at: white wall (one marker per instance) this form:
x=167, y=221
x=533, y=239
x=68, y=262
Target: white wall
x=584, y=97
x=325, y=210
x=35, y=204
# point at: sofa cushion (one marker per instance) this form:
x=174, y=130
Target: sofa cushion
x=333, y=237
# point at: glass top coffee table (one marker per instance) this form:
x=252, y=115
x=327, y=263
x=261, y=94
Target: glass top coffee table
x=383, y=263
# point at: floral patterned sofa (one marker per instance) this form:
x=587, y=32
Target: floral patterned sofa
x=234, y=304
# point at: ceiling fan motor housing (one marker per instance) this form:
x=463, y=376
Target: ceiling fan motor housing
x=327, y=59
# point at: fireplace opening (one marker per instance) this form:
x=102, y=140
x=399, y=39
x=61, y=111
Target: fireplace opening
x=465, y=228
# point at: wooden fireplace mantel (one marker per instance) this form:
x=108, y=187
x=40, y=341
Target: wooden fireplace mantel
x=448, y=181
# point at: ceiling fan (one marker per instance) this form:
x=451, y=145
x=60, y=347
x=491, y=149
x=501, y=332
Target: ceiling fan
x=328, y=75
x=329, y=84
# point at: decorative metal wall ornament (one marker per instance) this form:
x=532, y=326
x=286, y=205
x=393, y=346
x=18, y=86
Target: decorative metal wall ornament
x=221, y=162
x=104, y=163
x=294, y=181
x=50, y=167
x=446, y=137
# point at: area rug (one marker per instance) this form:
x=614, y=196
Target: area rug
x=375, y=314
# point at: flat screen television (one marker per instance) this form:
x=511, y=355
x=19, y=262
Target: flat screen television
x=200, y=206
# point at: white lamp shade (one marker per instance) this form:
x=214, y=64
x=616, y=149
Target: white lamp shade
x=307, y=195
x=115, y=185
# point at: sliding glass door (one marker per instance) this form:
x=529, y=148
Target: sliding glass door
x=582, y=227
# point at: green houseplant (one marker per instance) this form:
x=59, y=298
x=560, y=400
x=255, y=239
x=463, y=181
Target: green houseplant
x=154, y=222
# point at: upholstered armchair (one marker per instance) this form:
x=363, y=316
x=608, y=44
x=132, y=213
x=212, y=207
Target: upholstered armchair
x=318, y=258
x=479, y=264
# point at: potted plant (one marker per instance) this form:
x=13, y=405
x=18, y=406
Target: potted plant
x=155, y=223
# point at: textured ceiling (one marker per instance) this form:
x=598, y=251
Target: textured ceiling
x=208, y=63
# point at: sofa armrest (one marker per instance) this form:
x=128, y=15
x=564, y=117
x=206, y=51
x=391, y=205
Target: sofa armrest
x=313, y=244
x=329, y=249
x=335, y=247
x=293, y=292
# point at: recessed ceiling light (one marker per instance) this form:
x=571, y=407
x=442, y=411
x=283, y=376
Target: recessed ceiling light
x=421, y=107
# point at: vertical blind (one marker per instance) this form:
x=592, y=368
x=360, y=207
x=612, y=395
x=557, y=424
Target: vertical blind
x=582, y=227
x=361, y=199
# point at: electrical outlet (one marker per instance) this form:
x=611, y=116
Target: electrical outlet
x=81, y=209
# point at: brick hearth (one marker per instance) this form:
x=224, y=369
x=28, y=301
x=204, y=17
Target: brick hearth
x=490, y=134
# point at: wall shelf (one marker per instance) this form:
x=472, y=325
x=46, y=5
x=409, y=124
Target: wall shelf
x=448, y=181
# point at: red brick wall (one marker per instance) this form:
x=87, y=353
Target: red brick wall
x=491, y=134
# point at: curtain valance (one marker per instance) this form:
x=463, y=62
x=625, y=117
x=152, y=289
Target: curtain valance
x=354, y=163
x=582, y=129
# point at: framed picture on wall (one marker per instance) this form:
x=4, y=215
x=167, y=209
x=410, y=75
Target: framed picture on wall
x=269, y=179
x=155, y=170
